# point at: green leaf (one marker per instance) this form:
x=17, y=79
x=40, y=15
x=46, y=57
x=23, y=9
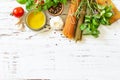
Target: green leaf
x=95, y=33
x=94, y=22
x=45, y=7
x=56, y=1
x=109, y=14
x=87, y=31
x=82, y=26
x=50, y=4
x=100, y=7
x=87, y=21
x=102, y=22
x=87, y=17
x=102, y=12
x=97, y=16
x=28, y=6
x=108, y=8
x=64, y=1
x=92, y=26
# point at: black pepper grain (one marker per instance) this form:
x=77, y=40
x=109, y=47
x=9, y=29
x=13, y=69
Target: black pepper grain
x=56, y=44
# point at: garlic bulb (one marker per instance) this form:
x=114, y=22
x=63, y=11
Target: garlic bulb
x=56, y=22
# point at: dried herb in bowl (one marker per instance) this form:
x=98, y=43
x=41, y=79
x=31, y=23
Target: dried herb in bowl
x=56, y=10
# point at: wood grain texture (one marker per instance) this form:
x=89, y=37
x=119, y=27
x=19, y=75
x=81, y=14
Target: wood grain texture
x=49, y=55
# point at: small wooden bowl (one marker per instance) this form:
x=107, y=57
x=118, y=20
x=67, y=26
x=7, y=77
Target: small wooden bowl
x=57, y=12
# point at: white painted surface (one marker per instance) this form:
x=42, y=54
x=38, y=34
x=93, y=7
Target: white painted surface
x=36, y=55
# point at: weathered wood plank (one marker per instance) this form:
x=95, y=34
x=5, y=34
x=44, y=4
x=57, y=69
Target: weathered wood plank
x=49, y=55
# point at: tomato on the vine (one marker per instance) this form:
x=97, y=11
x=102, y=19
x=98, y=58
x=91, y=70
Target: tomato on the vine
x=18, y=12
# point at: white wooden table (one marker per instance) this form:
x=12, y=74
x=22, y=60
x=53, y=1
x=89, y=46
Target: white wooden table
x=48, y=55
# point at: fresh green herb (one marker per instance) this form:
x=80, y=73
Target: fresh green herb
x=42, y=5
x=95, y=16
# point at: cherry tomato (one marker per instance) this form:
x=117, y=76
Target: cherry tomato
x=18, y=12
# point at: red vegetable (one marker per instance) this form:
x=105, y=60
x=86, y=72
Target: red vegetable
x=18, y=12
